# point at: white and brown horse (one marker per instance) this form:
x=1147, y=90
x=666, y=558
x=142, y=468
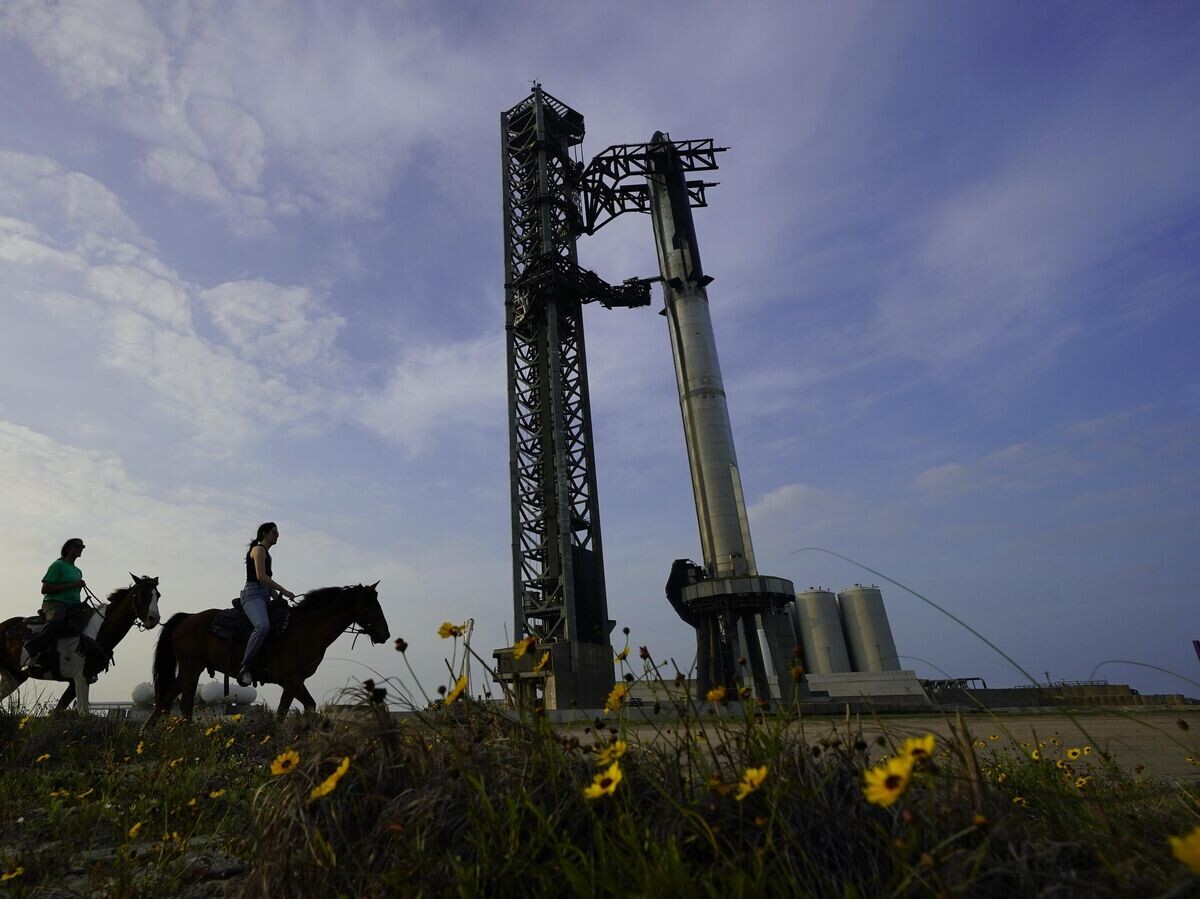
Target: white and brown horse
x=107, y=627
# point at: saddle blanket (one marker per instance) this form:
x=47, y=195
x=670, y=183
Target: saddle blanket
x=233, y=625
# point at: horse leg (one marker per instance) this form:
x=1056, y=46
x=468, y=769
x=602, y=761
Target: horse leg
x=285, y=702
x=81, y=695
x=8, y=683
x=189, y=676
x=310, y=704
x=67, y=698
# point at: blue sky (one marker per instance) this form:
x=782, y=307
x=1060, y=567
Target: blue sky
x=252, y=270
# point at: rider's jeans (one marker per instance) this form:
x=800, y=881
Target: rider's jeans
x=255, y=598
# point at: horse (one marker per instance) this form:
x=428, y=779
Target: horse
x=186, y=647
x=107, y=627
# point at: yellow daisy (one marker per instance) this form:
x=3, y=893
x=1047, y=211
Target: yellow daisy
x=884, y=784
x=448, y=630
x=606, y=755
x=616, y=697
x=456, y=691
x=135, y=830
x=41, y=758
x=918, y=747
x=752, y=779
x=1187, y=849
x=1073, y=753
x=541, y=663
x=716, y=694
x=216, y=794
x=605, y=783
x=622, y=655
x=285, y=762
x=329, y=784
x=11, y=873
x=523, y=646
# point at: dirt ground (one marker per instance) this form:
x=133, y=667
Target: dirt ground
x=1136, y=737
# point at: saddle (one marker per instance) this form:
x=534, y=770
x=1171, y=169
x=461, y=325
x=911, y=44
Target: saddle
x=234, y=626
x=96, y=657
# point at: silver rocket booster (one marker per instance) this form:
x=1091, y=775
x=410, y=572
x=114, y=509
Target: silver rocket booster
x=720, y=506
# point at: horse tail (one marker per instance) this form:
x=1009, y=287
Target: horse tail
x=164, y=656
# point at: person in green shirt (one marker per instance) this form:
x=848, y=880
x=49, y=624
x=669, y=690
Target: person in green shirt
x=61, y=586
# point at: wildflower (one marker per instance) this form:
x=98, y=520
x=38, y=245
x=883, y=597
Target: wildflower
x=459, y=686
x=191, y=803
x=327, y=786
x=24, y=721
x=237, y=717
x=541, y=663
x=216, y=794
x=135, y=830
x=605, y=783
x=139, y=747
x=285, y=762
x=719, y=786
x=615, y=698
x=1073, y=753
x=979, y=820
x=401, y=645
x=1087, y=750
x=744, y=692
x=752, y=779
x=59, y=794
x=1019, y=801
x=716, y=694
x=1060, y=764
x=523, y=646
x=1001, y=777
x=1081, y=782
x=175, y=762
x=918, y=747
x=608, y=754
x=11, y=873
x=885, y=783
x=622, y=655
x=1187, y=849
x=229, y=742
x=993, y=737
x=448, y=630
x=265, y=740
x=796, y=672
x=86, y=793
x=981, y=744
x=644, y=653
x=1035, y=755
x=212, y=730
x=41, y=758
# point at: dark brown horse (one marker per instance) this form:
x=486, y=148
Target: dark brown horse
x=107, y=627
x=186, y=647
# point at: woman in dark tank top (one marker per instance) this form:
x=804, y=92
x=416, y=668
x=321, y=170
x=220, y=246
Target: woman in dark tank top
x=256, y=595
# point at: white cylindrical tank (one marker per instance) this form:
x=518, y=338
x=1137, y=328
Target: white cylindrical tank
x=143, y=694
x=868, y=634
x=214, y=691
x=819, y=626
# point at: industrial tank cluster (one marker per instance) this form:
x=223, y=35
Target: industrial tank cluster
x=844, y=633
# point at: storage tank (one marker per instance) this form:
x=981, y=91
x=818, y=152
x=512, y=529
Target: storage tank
x=143, y=695
x=868, y=634
x=819, y=626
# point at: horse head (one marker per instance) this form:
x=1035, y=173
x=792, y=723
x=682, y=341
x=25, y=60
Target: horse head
x=368, y=614
x=144, y=595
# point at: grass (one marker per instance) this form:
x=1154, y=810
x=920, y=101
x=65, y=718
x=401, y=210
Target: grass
x=464, y=800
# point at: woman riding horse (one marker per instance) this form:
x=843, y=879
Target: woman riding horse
x=107, y=627
x=187, y=646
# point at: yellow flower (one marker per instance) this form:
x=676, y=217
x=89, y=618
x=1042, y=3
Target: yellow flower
x=1001, y=777
x=606, y=755
x=1074, y=753
x=41, y=758
x=216, y=794
x=325, y=787
x=459, y=686
x=1019, y=801
x=1087, y=750
x=86, y=793
x=1187, y=849
x=1035, y=755
x=135, y=830
x=265, y=740
x=981, y=744
x=603, y=784
x=212, y=730
x=886, y=783
x=1081, y=782
x=993, y=737
x=616, y=697
x=541, y=663
x=24, y=721
x=59, y=794
x=9, y=875
x=139, y=747
x=752, y=779
x=716, y=694
x=622, y=655
x=918, y=747
x=523, y=646
x=1060, y=764
x=237, y=717
x=191, y=803
x=285, y=762
x=175, y=762
x=229, y=742
x=448, y=630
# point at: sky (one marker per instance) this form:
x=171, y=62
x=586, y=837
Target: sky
x=251, y=269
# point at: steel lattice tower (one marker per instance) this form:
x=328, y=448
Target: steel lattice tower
x=558, y=558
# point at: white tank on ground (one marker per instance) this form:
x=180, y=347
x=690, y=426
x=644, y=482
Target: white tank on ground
x=214, y=691
x=143, y=695
x=819, y=627
x=868, y=633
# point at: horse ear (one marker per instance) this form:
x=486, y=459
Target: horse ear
x=133, y=577
x=374, y=585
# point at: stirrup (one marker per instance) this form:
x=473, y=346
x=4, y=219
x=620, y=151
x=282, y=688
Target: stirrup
x=245, y=678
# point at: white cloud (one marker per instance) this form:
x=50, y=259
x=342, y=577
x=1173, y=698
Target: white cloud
x=279, y=325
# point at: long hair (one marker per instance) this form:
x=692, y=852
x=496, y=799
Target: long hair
x=62, y=553
x=262, y=530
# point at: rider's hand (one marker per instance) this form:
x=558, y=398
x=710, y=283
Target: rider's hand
x=289, y=594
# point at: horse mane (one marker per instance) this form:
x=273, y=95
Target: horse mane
x=112, y=597
x=328, y=599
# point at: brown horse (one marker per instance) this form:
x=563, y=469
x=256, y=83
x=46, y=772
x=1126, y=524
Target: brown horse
x=186, y=647
x=107, y=627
